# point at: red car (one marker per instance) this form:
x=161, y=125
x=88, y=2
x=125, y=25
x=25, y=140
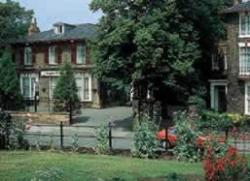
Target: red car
x=172, y=137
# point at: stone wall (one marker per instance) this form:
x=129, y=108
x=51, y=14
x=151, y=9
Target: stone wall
x=236, y=92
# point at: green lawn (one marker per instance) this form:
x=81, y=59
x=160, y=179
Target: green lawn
x=23, y=165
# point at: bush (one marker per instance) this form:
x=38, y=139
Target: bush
x=186, y=148
x=102, y=137
x=198, y=101
x=11, y=133
x=5, y=129
x=229, y=166
x=144, y=141
x=75, y=143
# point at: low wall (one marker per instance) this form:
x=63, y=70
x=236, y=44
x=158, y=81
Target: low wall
x=40, y=117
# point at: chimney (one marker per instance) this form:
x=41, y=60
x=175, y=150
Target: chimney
x=33, y=27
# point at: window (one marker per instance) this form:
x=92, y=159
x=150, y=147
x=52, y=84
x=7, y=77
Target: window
x=245, y=25
x=86, y=91
x=244, y=60
x=83, y=82
x=28, y=56
x=53, y=82
x=247, y=98
x=81, y=54
x=28, y=85
x=52, y=55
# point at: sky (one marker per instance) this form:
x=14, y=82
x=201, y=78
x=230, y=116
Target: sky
x=49, y=12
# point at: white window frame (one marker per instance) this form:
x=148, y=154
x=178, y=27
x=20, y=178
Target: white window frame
x=247, y=112
x=52, y=55
x=30, y=76
x=81, y=57
x=213, y=84
x=242, y=45
x=81, y=77
x=241, y=35
x=27, y=56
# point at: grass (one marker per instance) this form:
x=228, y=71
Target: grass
x=21, y=166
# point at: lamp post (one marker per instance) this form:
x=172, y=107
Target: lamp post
x=36, y=88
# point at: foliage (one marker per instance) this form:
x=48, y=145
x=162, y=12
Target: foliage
x=11, y=133
x=144, y=140
x=75, y=142
x=214, y=121
x=65, y=93
x=5, y=129
x=102, y=137
x=51, y=174
x=199, y=102
x=186, y=148
x=10, y=96
x=231, y=166
x=148, y=42
x=14, y=21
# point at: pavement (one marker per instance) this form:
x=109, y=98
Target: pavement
x=85, y=128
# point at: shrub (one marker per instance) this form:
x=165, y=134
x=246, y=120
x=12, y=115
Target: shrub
x=75, y=143
x=5, y=129
x=11, y=133
x=102, y=137
x=144, y=141
x=186, y=148
x=198, y=101
x=229, y=166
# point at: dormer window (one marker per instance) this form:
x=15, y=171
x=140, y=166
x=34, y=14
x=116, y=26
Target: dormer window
x=59, y=29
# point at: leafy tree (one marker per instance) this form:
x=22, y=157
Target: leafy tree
x=65, y=93
x=10, y=97
x=208, y=22
x=164, y=46
x=14, y=21
x=148, y=43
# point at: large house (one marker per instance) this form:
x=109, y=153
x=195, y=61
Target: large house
x=39, y=55
x=230, y=83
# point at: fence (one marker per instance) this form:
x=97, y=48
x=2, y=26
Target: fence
x=61, y=136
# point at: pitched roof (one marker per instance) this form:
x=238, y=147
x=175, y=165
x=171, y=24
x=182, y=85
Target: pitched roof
x=242, y=7
x=83, y=31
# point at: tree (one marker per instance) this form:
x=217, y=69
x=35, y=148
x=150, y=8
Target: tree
x=10, y=97
x=148, y=43
x=14, y=21
x=65, y=93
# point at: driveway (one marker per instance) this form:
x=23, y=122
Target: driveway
x=121, y=117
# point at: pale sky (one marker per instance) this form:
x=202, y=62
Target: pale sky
x=49, y=12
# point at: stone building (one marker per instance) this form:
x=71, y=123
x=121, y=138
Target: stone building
x=230, y=83
x=39, y=55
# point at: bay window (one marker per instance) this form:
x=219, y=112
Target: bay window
x=83, y=82
x=27, y=82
